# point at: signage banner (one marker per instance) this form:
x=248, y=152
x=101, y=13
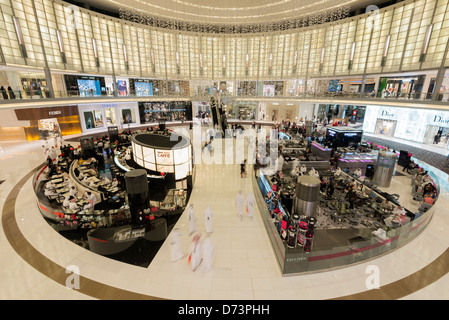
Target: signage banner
x=45, y=113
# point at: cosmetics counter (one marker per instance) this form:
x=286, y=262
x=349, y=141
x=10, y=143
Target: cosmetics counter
x=371, y=230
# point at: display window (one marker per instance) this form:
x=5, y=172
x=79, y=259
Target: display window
x=34, y=85
x=111, y=116
x=437, y=136
x=89, y=88
x=48, y=128
x=122, y=88
x=93, y=119
x=385, y=127
x=128, y=116
x=101, y=116
x=268, y=90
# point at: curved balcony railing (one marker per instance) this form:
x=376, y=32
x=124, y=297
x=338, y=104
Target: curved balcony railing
x=15, y=95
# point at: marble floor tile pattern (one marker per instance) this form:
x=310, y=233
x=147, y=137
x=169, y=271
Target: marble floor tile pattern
x=244, y=264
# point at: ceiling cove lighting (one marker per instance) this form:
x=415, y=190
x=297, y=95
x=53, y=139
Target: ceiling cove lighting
x=97, y=61
x=323, y=50
x=125, y=56
x=61, y=47
x=386, y=47
x=224, y=65
x=295, y=61
x=426, y=42
x=270, y=64
x=351, y=57
x=153, y=66
x=20, y=37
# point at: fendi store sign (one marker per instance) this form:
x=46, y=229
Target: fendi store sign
x=46, y=112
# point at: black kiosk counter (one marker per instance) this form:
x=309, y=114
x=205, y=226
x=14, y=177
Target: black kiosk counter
x=342, y=136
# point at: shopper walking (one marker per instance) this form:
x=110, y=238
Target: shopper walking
x=176, y=251
x=250, y=204
x=107, y=148
x=192, y=219
x=11, y=93
x=239, y=204
x=196, y=254
x=243, y=169
x=208, y=214
x=208, y=254
x=4, y=93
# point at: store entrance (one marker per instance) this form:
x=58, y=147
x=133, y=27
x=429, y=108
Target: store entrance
x=49, y=129
x=401, y=87
x=437, y=136
x=385, y=127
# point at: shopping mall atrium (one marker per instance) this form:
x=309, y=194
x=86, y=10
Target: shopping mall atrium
x=224, y=150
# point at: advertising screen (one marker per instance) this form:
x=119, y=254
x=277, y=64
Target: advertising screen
x=122, y=88
x=89, y=87
x=93, y=119
x=143, y=89
x=127, y=116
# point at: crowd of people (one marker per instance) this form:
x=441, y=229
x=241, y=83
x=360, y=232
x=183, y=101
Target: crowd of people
x=80, y=196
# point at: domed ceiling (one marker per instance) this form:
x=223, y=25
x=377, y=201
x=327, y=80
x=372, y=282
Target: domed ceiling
x=230, y=11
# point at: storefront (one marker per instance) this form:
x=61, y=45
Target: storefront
x=412, y=124
x=437, y=136
x=49, y=122
x=385, y=127
x=98, y=117
x=152, y=112
x=141, y=87
x=278, y=112
x=85, y=86
x=401, y=87
x=34, y=85
x=201, y=109
x=244, y=110
x=121, y=86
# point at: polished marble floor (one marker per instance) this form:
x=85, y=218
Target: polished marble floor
x=35, y=257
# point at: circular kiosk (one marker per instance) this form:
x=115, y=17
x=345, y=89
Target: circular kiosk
x=163, y=154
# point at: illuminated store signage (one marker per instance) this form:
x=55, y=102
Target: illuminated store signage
x=163, y=154
x=440, y=120
x=386, y=113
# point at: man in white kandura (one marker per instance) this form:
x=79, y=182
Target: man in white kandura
x=208, y=254
x=208, y=214
x=176, y=251
x=239, y=204
x=192, y=219
x=196, y=254
x=250, y=203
